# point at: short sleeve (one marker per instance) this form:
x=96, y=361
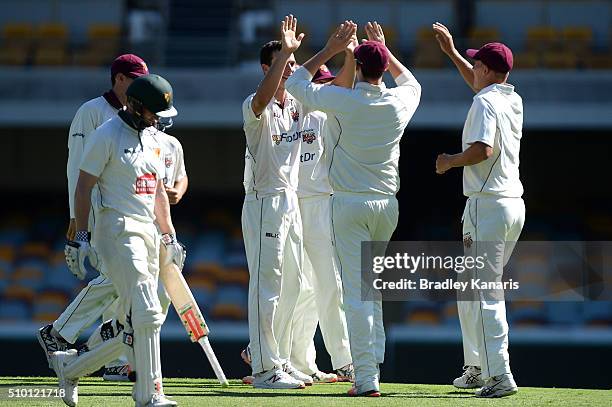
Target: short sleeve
x=251, y=121
x=180, y=162
x=97, y=152
x=483, y=124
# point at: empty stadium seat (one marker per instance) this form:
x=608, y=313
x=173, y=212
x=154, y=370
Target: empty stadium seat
x=478, y=36
x=542, y=38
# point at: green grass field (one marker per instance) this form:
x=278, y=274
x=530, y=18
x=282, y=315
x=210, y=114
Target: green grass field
x=204, y=392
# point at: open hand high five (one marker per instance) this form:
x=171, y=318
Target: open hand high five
x=374, y=32
x=289, y=40
x=342, y=38
x=444, y=37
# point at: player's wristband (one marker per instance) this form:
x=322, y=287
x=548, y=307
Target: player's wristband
x=82, y=236
x=168, y=238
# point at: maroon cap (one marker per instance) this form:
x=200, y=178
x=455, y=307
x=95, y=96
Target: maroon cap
x=373, y=57
x=130, y=65
x=323, y=74
x=495, y=55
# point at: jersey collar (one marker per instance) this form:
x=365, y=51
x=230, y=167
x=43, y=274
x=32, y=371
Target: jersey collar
x=112, y=99
x=505, y=88
x=371, y=87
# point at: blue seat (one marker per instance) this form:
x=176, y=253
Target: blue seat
x=11, y=310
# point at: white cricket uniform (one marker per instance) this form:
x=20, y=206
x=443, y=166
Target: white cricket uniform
x=364, y=177
x=272, y=228
x=494, y=216
x=128, y=165
x=320, y=300
x=99, y=296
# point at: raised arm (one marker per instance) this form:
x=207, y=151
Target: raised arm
x=269, y=85
x=338, y=42
x=445, y=39
x=375, y=33
x=346, y=75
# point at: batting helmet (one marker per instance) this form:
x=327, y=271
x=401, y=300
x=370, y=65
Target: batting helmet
x=154, y=93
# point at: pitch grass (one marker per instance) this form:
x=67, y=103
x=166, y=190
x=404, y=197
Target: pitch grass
x=206, y=392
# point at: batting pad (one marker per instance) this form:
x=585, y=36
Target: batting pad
x=92, y=359
x=146, y=309
x=147, y=364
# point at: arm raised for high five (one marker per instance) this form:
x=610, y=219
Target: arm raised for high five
x=337, y=43
x=269, y=85
x=445, y=39
x=346, y=75
x=375, y=33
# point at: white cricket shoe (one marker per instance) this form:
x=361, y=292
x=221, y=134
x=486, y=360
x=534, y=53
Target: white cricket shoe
x=297, y=375
x=276, y=379
x=322, y=377
x=70, y=386
x=470, y=379
x=158, y=400
x=498, y=386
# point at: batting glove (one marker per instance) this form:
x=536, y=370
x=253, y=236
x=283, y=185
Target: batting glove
x=76, y=251
x=175, y=250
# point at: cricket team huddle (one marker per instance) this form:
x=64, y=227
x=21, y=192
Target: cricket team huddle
x=321, y=174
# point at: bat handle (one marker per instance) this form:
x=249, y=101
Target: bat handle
x=205, y=344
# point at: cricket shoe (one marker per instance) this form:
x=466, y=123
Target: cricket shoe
x=248, y=379
x=158, y=400
x=498, y=386
x=354, y=392
x=470, y=379
x=70, y=387
x=117, y=373
x=346, y=373
x=246, y=355
x=49, y=342
x=276, y=379
x=297, y=375
x=322, y=377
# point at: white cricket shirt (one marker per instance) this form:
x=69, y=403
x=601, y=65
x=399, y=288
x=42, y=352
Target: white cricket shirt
x=313, y=179
x=372, y=119
x=495, y=119
x=127, y=167
x=88, y=118
x=273, y=147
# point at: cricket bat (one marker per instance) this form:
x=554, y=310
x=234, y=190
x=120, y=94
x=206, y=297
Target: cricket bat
x=190, y=314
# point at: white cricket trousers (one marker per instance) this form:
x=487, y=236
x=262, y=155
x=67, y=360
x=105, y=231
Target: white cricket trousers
x=320, y=300
x=360, y=218
x=272, y=232
x=496, y=224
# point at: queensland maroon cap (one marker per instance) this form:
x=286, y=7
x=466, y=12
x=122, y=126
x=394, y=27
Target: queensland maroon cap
x=130, y=65
x=373, y=56
x=323, y=74
x=495, y=55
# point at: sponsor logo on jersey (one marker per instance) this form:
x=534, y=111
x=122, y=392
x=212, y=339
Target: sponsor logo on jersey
x=168, y=160
x=307, y=157
x=278, y=138
x=308, y=136
x=78, y=135
x=145, y=184
x=273, y=235
x=157, y=151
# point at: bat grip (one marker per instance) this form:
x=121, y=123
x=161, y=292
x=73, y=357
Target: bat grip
x=205, y=344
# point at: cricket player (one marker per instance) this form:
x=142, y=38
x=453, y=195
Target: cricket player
x=125, y=160
x=271, y=224
x=364, y=176
x=320, y=300
x=494, y=212
x=98, y=297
